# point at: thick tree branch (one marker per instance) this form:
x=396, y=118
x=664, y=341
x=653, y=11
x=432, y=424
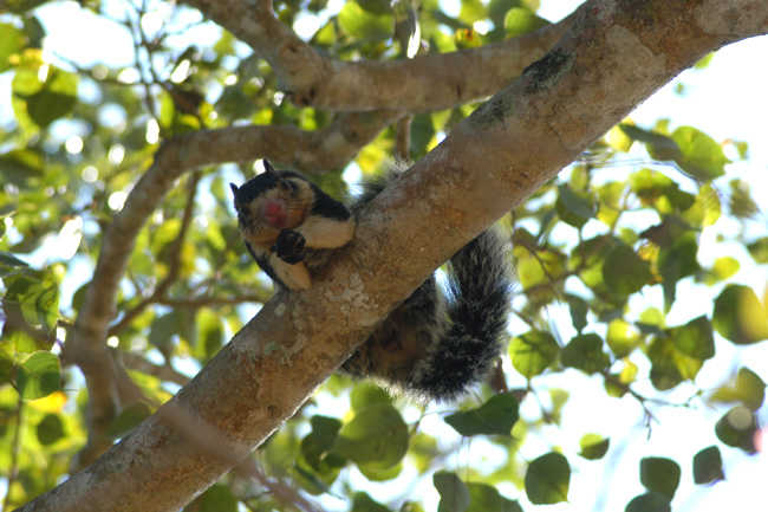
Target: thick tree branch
x=616, y=54
x=331, y=147
x=430, y=82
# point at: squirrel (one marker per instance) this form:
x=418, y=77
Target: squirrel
x=437, y=342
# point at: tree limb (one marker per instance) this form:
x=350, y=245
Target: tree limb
x=615, y=55
x=430, y=82
x=331, y=147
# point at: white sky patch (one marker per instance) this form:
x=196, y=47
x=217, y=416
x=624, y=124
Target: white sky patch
x=116, y=154
x=69, y=238
x=181, y=72
x=153, y=132
x=89, y=174
x=117, y=200
x=74, y=145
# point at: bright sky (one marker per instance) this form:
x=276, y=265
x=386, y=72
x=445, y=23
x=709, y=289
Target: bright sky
x=726, y=100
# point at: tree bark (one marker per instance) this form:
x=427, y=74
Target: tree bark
x=615, y=54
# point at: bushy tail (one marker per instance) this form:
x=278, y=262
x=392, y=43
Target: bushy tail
x=480, y=289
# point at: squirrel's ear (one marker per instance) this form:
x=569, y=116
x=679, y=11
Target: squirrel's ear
x=268, y=167
x=234, y=188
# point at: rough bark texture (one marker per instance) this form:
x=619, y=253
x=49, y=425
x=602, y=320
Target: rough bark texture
x=616, y=54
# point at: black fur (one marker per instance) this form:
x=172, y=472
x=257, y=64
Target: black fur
x=460, y=341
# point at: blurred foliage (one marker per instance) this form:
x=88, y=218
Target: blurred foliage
x=82, y=135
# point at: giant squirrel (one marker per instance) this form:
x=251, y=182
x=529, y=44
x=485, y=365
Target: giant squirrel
x=437, y=342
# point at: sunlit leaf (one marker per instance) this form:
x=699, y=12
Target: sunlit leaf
x=365, y=25
x=593, y=446
x=622, y=338
x=533, y=352
x=218, y=498
x=376, y=436
x=739, y=316
x=39, y=375
x=759, y=250
x=702, y=157
x=695, y=338
x=520, y=21
x=11, y=42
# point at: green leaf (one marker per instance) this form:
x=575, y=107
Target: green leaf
x=210, y=334
x=660, y=475
x=579, y=309
x=649, y=502
x=11, y=41
x=547, y=479
x=594, y=446
x=702, y=157
x=218, y=498
x=533, y=352
x=361, y=502
x=484, y=498
x=377, y=437
x=496, y=416
x=695, y=338
x=573, y=207
x=365, y=25
x=659, y=191
x=38, y=376
x=55, y=99
x=50, y=429
x=659, y=146
x=318, y=443
x=749, y=389
x=472, y=11
x=759, y=250
x=708, y=466
x=367, y=394
x=585, y=352
x=375, y=6
x=454, y=495
x=9, y=263
x=737, y=428
x=520, y=21
x=739, y=316
x=677, y=262
x=624, y=272
x=622, y=338
x=36, y=294
x=723, y=268
x=670, y=366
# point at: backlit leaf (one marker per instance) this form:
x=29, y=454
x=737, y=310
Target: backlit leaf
x=533, y=352
x=496, y=416
x=547, y=479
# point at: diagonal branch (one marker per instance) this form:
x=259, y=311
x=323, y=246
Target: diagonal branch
x=430, y=82
x=85, y=346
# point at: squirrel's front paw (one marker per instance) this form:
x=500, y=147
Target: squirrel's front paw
x=290, y=246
